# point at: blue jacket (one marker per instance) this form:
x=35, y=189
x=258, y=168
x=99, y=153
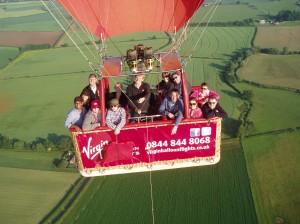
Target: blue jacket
x=176, y=108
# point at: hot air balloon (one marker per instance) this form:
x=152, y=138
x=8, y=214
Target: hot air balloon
x=147, y=143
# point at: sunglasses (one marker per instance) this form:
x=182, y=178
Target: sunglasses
x=212, y=102
x=114, y=106
x=176, y=77
x=193, y=104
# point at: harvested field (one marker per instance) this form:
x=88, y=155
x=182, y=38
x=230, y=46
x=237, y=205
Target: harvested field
x=28, y=195
x=278, y=37
x=19, y=39
x=272, y=70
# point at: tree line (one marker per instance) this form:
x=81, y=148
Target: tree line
x=287, y=15
x=51, y=142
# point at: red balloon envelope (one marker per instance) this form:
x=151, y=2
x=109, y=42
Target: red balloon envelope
x=106, y=18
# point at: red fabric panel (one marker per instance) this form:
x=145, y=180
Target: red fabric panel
x=117, y=151
x=116, y=17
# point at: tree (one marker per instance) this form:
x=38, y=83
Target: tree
x=65, y=143
x=39, y=147
x=19, y=145
x=246, y=128
x=247, y=95
x=285, y=50
x=6, y=142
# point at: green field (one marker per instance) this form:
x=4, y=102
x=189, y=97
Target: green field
x=273, y=109
x=211, y=194
x=56, y=76
x=216, y=42
x=278, y=37
x=29, y=159
x=27, y=16
x=237, y=12
x=12, y=14
x=293, y=23
x=37, y=91
x=7, y=54
x=28, y=195
x=272, y=70
x=273, y=166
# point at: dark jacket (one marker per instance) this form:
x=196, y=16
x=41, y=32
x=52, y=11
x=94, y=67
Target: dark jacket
x=112, y=95
x=172, y=85
x=162, y=88
x=217, y=112
x=93, y=96
x=135, y=94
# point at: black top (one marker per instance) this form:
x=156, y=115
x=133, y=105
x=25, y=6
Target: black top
x=135, y=94
x=217, y=112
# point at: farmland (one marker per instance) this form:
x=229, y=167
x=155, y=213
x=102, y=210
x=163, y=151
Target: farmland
x=278, y=37
x=272, y=70
x=212, y=194
x=29, y=159
x=28, y=16
x=60, y=66
x=28, y=195
x=229, y=11
x=274, y=175
x=18, y=39
x=7, y=54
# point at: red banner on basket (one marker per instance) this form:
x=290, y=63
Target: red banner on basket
x=146, y=145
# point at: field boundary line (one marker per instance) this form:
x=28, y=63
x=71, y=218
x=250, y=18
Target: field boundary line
x=62, y=35
x=63, y=204
x=256, y=84
x=280, y=131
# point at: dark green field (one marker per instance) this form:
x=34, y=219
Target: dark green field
x=274, y=174
x=212, y=194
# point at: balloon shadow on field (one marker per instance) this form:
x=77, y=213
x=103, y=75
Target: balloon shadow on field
x=231, y=93
x=230, y=127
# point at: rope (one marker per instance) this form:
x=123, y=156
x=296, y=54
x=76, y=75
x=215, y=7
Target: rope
x=216, y=4
x=69, y=25
x=152, y=201
x=90, y=63
x=114, y=81
x=150, y=179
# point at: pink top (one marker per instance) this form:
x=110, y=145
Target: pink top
x=202, y=96
x=196, y=113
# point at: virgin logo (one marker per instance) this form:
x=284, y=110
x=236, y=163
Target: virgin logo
x=92, y=151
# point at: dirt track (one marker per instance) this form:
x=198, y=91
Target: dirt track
x=19, y=39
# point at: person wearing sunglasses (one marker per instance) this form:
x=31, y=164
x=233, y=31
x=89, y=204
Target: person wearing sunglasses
x=213, y=109
x=176, y=83
x=116, y=116
x=194, y=110
x=93, y=117
x=204, y=93
x=172, y=107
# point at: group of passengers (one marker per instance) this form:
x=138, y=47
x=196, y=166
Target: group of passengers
x=86, y=114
